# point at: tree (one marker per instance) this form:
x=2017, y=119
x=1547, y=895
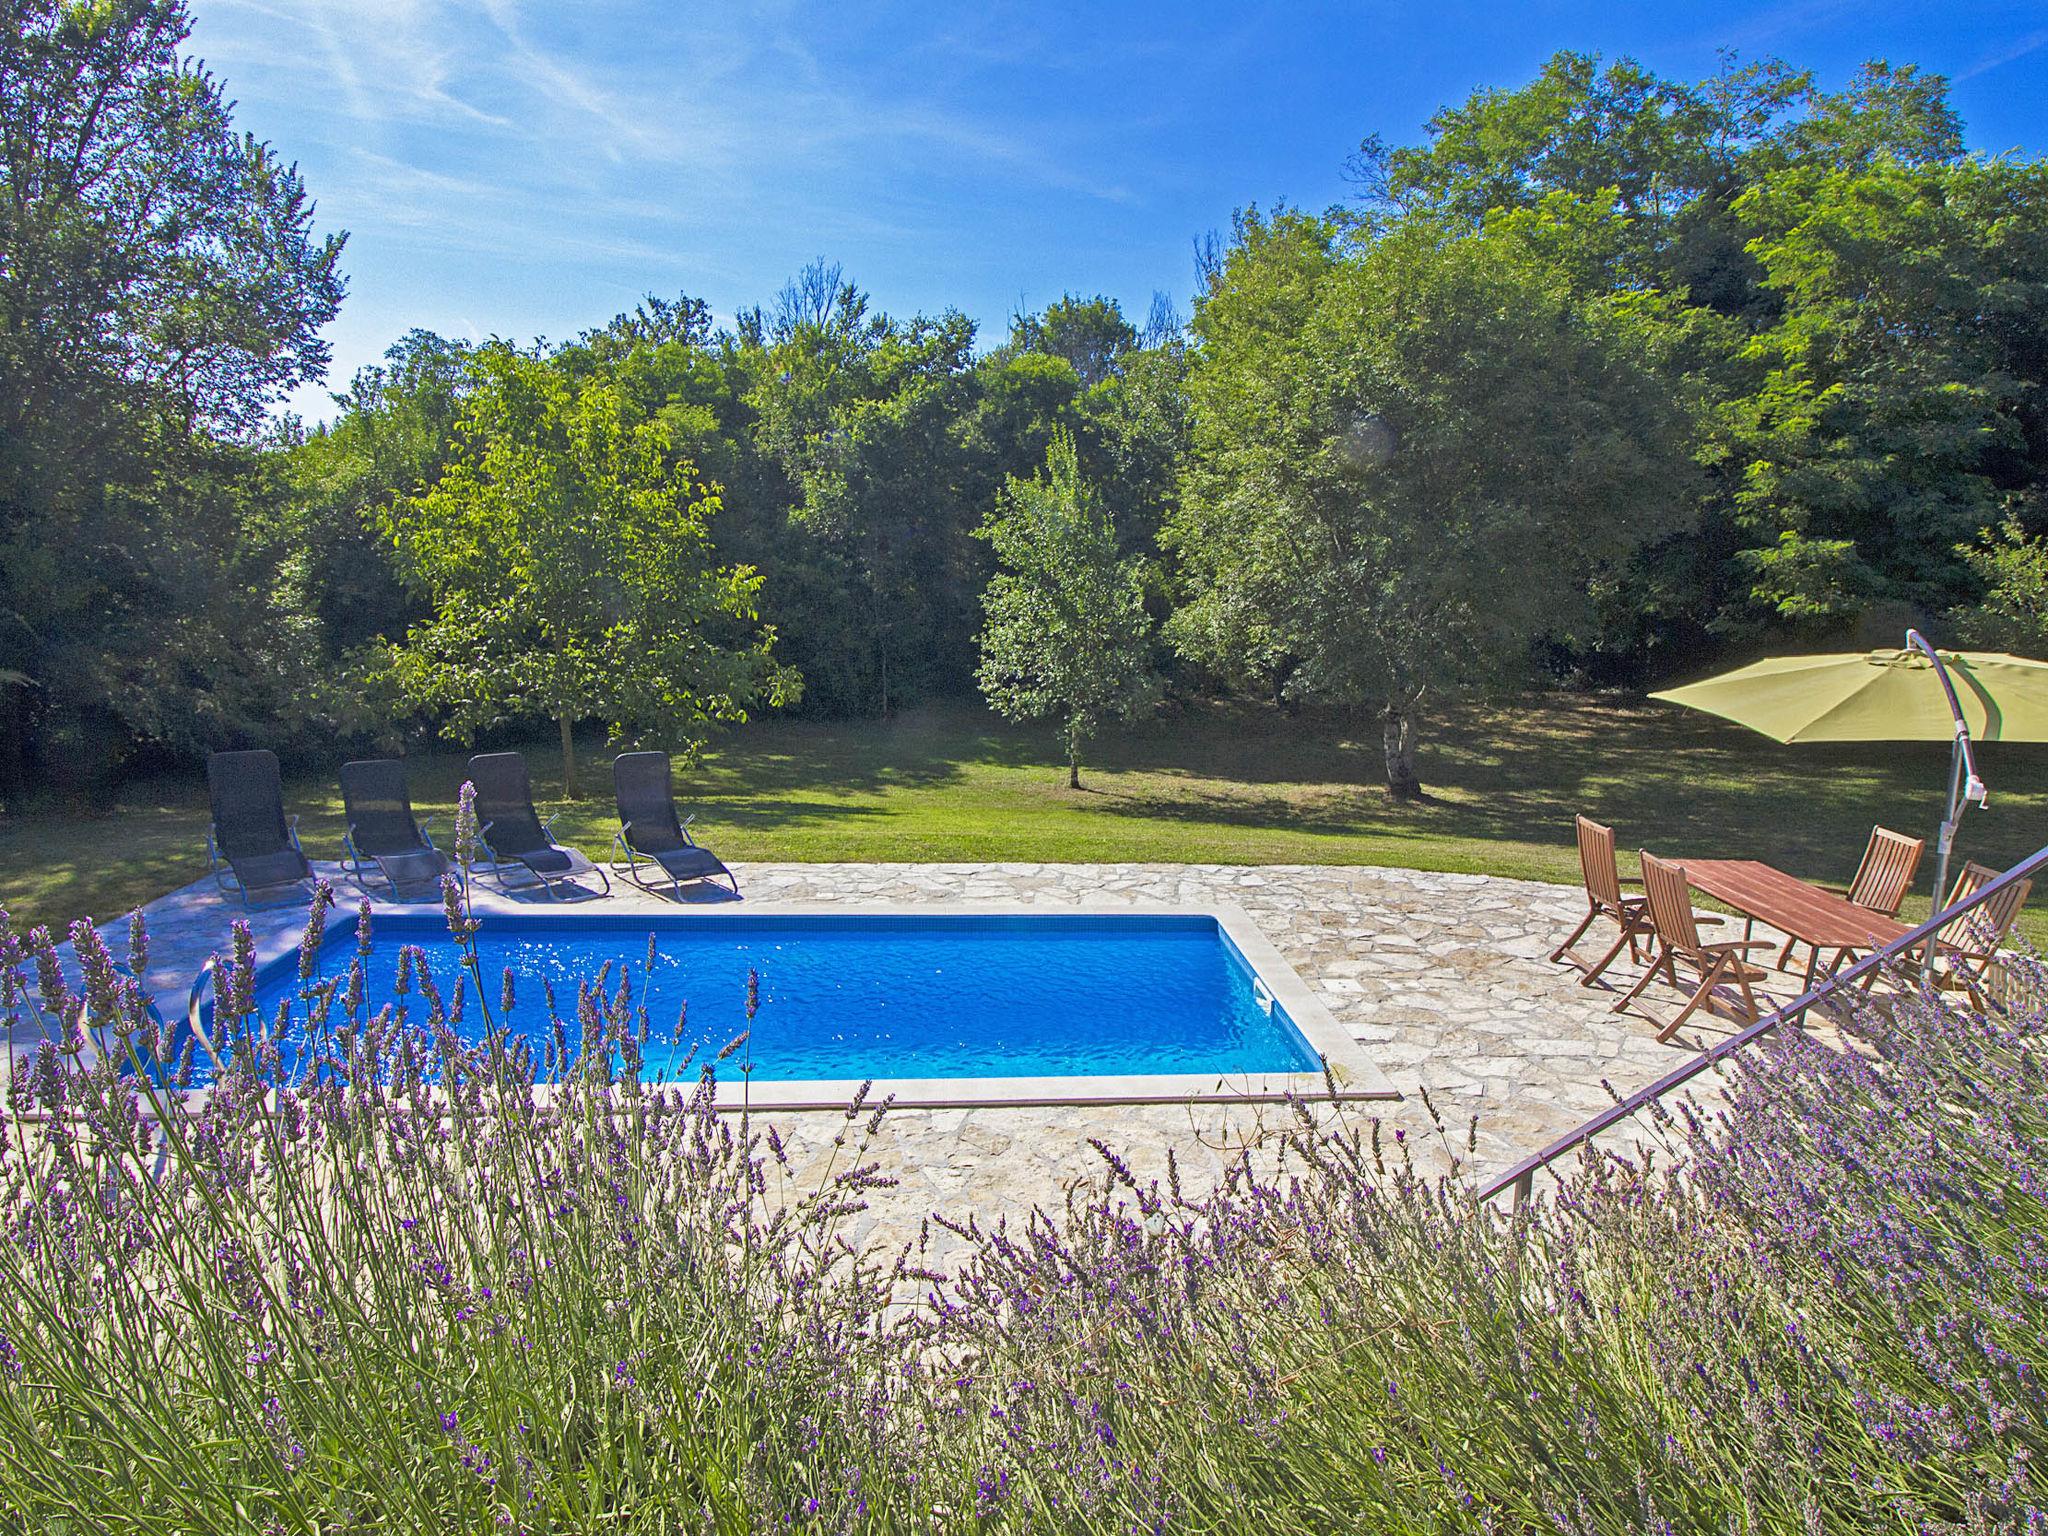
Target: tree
x=390, y=441
x=1862, y=297
x=568, y=560
x=148, y=247
x=1897, y=405
x=2013, y=614
x=1090, y=335
x=1413, y=458
x=1067, y=633
x=160, y=290
x=861, y=412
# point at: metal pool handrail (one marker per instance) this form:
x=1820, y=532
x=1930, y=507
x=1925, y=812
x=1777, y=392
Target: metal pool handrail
x=200, y=983
x=1522, y=1177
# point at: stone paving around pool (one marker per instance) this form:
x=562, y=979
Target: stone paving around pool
x=1443, y=978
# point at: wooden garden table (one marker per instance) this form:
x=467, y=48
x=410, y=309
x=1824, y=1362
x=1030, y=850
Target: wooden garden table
x=1816, y=918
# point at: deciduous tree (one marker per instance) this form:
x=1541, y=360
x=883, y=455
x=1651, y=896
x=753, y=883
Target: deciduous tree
x=1067, y=634
x=1413, y=458
x=161, y=288
x=568, y=559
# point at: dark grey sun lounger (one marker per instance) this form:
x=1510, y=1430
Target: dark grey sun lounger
x=648, y=828
x=252, y=843
x=512, y=833
x=382, y=829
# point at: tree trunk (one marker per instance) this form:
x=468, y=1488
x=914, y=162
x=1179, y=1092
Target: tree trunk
x=1077, y=732
x=1397, y=728
x=568, y=758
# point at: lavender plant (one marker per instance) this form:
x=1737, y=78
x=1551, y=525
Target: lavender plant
x=408, y=1277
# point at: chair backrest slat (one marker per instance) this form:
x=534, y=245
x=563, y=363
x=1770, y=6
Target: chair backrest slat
x=504, y=802
x=1890, y=861
x=1598, y=864
x=247, y=796
x=1670, y=900
x=642, y=785
x=378, y=804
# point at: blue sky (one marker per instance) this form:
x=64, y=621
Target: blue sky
x=532, y=169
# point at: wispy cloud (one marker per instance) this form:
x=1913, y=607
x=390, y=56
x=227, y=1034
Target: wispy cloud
x=534, y=163
x=702, y=95
x=2019, y=48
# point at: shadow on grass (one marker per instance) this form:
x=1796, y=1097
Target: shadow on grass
x=1669, y=779
x=1209, y=782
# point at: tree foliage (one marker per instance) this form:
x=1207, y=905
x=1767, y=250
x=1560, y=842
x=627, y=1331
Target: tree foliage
x=160, y=289
x=1414, y=456
x=1067, y=634
x=1605, y=375
x=1861, y=296
x=569, y=563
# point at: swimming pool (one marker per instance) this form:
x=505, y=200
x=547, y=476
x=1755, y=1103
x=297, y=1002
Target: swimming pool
x=937, y=1005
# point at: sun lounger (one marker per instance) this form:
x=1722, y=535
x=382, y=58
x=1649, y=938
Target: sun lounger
x=649, y=831
x=382, y=829
x=252, y=845
x=516, y=842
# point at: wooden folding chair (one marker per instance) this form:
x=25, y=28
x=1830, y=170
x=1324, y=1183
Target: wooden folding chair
x=1966, y=947
x=1668, y=896
x=1602, y=873
x=1890, y=860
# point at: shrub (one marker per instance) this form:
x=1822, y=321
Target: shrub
x=409, y=1288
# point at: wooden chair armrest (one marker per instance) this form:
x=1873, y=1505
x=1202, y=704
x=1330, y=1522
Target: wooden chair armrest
x=1709, y=917
x=1733, y=944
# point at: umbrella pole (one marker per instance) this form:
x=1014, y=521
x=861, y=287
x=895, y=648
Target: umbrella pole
x=1963, y=783
x=1945, y=839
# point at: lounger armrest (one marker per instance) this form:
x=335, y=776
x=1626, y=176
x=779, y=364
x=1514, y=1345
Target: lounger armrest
x=1728, y=944
x=1709, y=917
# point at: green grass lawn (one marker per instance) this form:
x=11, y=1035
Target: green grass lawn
x=1232, y=785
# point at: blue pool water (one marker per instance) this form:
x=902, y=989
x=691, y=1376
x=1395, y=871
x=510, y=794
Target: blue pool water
x=851, y=996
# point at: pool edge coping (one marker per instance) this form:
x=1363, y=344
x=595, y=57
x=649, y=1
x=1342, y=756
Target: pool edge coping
x=1355, y=1075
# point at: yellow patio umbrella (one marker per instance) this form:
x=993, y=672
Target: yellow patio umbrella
x=1912, y=694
